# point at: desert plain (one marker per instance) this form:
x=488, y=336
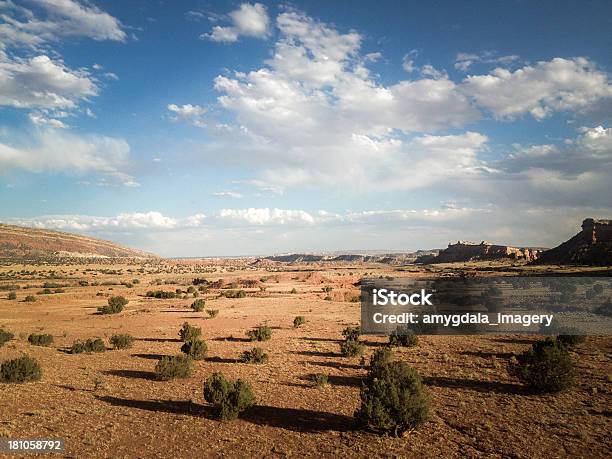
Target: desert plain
x=109, y=404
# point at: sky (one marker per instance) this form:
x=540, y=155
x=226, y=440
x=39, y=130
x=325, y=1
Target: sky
x=208, y=128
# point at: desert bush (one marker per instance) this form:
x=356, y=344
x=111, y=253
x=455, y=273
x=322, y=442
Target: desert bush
x=191, y=289
x=228, y=397
x=40, y=340
x=12, y=296
x=234, y=294
x=293, y=291
x=546, y=367
x=570, y=340
x=393, y=398
x=160, y=294
x=255, y=355
x=189, y=332
x=91, y=345
x=212, y=313
x=178, y=366
x=7, y=287
x=30, y=299
x=319, y=379
x=380, y=358
x=351, y=333
x=5, y=337
x=352, y=348
x=19, y=370
x=299, y=321
x=195, y=348
x=198, y=305
x=261, y=333
x=403, y=336
x=605, y=309
x=115, y=305
x=122, y=341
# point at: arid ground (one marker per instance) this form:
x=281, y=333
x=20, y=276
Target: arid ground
x=110, y=405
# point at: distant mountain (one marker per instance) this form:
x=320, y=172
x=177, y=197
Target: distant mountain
x=591, y=246
x=17, y=242
x=353, y=257
x=471, y=251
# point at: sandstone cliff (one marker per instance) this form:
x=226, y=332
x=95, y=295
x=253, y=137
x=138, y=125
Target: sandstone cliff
x=591, y=246
x=17, y=242
x=470, y=251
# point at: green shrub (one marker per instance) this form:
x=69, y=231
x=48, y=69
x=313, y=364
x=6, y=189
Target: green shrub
x=195, y=348
x=299, y=321
x=5, y=337
x=403, y=336
x=546, y=367
x=19, y=370
x=30, y=299
x=178, y=366
x=228, y=397
x=7, y=287
x=40, y=340
x=261, y=333
x=234, y=294
x=571, y=340
x=160, y=294
x=319, y=380
x=255, y=355
x=352, y=333
x=212, y=313
x=189, y=332
x=198, y=305
x=122, y=341
x=191, y=289
x=91, y=345
x=393, y=398
x=115, y=305
x=12, y=296
x=352, y=348
x=293, y=291
x=381, y=357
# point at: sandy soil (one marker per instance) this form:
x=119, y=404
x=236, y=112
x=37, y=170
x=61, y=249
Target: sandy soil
x=110, y=405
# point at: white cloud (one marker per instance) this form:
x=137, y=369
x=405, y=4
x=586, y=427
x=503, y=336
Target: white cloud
x=227, y=194
x=53, y=151
x=464, y=61
x=408, y=61
x=189, y=113
x=266, y=216
x=41, y=82
x=64, y=18
x=41, y=120
x=546, y=87
x=249, y=20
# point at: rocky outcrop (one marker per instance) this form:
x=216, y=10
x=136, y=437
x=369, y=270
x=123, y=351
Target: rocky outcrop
x=389, y=258
x=471, y=251
x=592, y=246
x=17, y=242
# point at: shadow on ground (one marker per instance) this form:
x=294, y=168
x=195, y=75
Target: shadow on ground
x=297, y=420
x=473, y=384
x=134, y=374
x=150, y=356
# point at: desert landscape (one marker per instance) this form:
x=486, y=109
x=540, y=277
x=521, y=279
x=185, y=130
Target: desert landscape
x=111, y=403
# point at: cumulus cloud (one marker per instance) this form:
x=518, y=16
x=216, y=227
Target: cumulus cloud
x=464, y=61
x=56, y=151
x=266, y=216
x=249, y=20
x=62, y=18
x=187, y=113
x=350, y=129
x=41, y=82
x=540, y=90
x=41, y=120
x=227, y=194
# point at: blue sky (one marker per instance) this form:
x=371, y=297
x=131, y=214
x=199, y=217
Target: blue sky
x=193, y=128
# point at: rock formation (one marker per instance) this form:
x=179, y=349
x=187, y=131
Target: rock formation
x=592, y=246
x=471, y=251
